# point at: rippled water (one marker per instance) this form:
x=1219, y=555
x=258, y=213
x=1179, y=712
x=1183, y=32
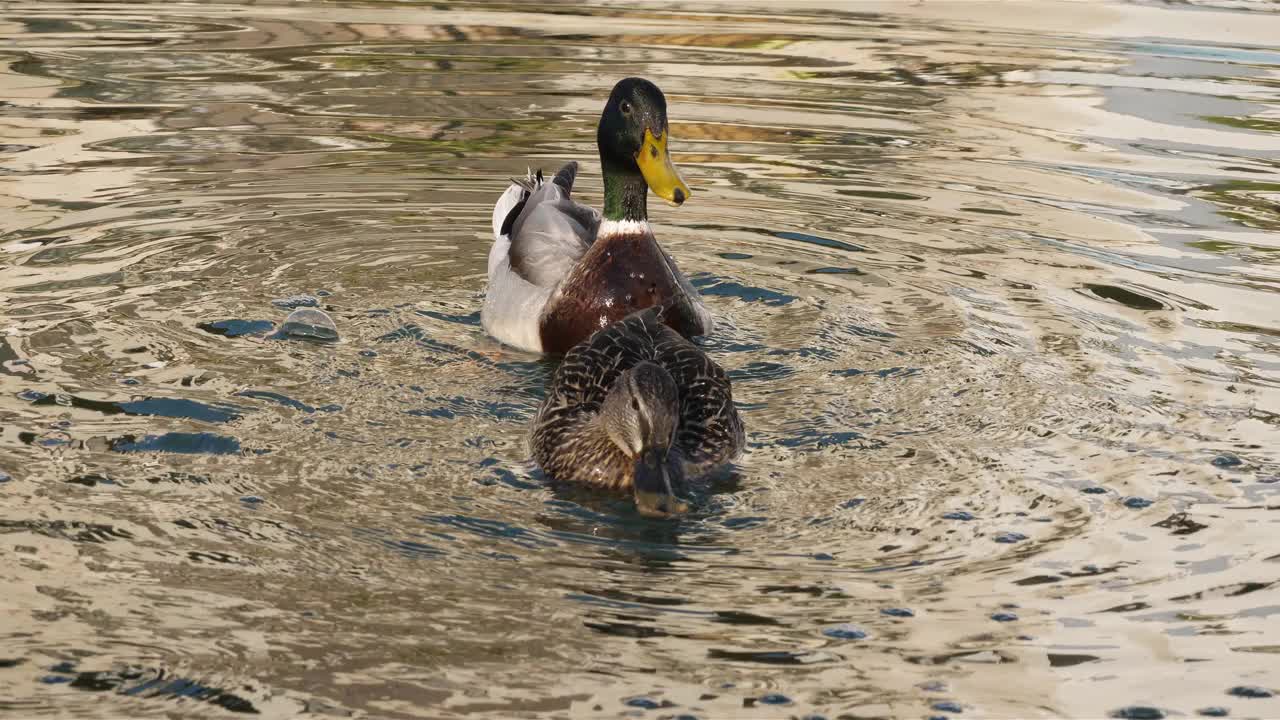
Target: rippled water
x=996, y=284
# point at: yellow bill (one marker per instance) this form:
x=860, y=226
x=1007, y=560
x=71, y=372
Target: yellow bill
x=655, y=164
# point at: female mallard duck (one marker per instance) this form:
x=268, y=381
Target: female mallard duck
x=637, y=407
x=558, y=271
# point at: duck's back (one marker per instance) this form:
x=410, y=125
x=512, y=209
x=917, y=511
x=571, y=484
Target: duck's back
x=709, y=432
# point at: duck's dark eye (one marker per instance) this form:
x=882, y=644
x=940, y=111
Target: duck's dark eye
x=635, y=405
x=625, y=107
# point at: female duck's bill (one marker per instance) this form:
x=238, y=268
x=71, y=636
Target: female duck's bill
x=658, y=484
x=560, y=270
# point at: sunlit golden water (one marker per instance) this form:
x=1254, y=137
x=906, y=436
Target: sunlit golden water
x=996, y=284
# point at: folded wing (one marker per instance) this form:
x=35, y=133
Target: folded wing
x=551, y=232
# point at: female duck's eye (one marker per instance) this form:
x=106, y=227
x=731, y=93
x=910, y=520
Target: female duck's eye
x=625, y=107
x=635, y=405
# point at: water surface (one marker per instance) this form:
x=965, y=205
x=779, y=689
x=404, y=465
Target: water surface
x=997, y=285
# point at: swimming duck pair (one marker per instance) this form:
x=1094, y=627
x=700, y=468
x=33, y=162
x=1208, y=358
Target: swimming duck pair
x=634, y=405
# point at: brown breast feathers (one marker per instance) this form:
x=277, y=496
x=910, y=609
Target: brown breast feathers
x=617, y=276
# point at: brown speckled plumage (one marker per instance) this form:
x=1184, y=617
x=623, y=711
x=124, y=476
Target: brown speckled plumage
x=571, y=446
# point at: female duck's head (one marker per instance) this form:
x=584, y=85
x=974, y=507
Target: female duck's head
x=640, y=414
x=632, y=137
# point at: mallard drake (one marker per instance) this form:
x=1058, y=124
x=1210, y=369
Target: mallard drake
x=637, y=407
x=560, y=270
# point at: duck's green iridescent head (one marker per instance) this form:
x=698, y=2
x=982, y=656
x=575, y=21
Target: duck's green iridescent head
x=632, y=137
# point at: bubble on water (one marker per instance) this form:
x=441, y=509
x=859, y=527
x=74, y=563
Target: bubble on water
x=775, y=699
x=935, y=686
x=1226, y=460
x=1137, y=503
x=1004, y=617
x=309, y=324
x=845, y=631
x=1008, y=538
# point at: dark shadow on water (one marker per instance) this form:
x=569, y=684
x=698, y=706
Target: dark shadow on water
x=147, y=406
x=611, y=517
x=455, y=407
x=820, y=241
x=771, y=657
x=714, y=285
x=761, y=370
x=579, y=516
x=283, y=400
x=471, y=320
x=176, y=442
x=72, y=530
x=1126, y=297
x=237, y=328
x=147, y=683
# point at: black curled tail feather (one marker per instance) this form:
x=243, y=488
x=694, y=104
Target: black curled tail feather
x=567, y=174
x=564, y=178
x=527, y=186
x=530, y=182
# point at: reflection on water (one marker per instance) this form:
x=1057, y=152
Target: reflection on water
x=996, y=284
